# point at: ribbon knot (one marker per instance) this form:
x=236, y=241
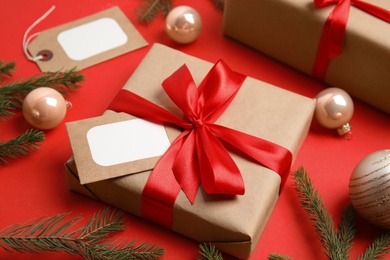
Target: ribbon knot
x=198, y=155
x=197, y=123
x=332, y=37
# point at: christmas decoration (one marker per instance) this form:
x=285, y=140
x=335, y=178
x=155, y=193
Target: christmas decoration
x=44, y=108
x=369, y=188
x=183, y=24
x=21, y=145
x=336, y=243
x=334, y=109
x=209, y=252
x=150, y=9
x=56, y=234
x=11, y=98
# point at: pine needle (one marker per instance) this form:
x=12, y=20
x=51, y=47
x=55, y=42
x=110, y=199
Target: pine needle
x=318, y=215
x=219, y=4
x=209, y=252
x=21, y=145
x=278, y=257
x=6, y=68
x=150, y=9
x=378, y=248
x=55, y=234
x=346, y=231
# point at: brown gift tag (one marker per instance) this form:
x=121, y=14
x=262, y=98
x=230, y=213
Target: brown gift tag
x=86, y=42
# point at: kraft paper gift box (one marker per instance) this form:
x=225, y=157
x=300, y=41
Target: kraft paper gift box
x=233, y=223
x=290, y=31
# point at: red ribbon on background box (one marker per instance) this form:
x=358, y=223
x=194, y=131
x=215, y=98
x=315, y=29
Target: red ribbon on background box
x=332, y=38
x=197, y=155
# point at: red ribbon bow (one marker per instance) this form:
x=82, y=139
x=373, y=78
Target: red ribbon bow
x=197, y=154
x=332, y=38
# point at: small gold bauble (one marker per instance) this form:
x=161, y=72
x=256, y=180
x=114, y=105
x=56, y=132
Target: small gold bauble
x=334, y=109
x=369, y=188
x=183, y=24
x=44, y=108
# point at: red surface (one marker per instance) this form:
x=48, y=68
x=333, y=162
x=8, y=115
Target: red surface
x=35, y=185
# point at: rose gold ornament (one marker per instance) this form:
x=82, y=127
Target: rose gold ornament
x=183, y=24
x=334, y=109
x=44, y=108
x=369, y=188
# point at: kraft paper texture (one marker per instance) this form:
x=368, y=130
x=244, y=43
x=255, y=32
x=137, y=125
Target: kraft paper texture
x=47, y=40
x=290, y=30
x=232, y=223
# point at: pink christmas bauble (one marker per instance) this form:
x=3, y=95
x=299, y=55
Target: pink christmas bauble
x=183, y=24
x=44, y=108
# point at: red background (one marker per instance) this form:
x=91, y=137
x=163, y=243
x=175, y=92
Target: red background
x=35, y=185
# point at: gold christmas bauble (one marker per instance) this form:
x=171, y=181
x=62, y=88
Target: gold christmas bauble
x=369, y=188
x=183, y=24
x=334, y=109
x=44, y=108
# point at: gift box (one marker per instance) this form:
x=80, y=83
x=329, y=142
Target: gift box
x=294, y=32
x=233, y=223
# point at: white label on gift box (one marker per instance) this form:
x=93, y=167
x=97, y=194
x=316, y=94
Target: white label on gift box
x=126, y=141
x=92, y=38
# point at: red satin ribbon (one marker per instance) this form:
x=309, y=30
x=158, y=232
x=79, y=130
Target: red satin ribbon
x=332, y=38
x=198, y=154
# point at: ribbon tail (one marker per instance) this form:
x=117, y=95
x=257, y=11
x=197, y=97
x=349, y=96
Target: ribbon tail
x=219, y=173
x=268, y=154
x=186, y=168
x=161, y=189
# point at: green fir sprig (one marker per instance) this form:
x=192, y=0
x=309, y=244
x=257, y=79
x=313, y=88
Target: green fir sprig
x=336, y=242
x=6, y=68
x=150, y=9
x=21, y=145
x=220, y=4
x=90, y=241
x=209, y=252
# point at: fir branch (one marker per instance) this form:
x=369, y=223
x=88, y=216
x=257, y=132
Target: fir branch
x=278, y=257
x=209, y=252
x=151, y=8
x=54, y=234
x=378, y=248
x=318, y=215
x=21, y=145
x=12, y=94
x=5, y=109
x=347, y=230
x=6, y=68
x=144, y=251
x=219, y=4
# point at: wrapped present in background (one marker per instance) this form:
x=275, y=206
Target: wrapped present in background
x=233, y=223
x=309, y=36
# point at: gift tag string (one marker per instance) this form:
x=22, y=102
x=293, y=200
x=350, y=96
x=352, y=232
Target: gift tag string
x=27, y=39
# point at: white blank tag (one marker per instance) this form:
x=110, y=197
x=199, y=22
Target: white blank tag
x=126, y=141
x=92, y=38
